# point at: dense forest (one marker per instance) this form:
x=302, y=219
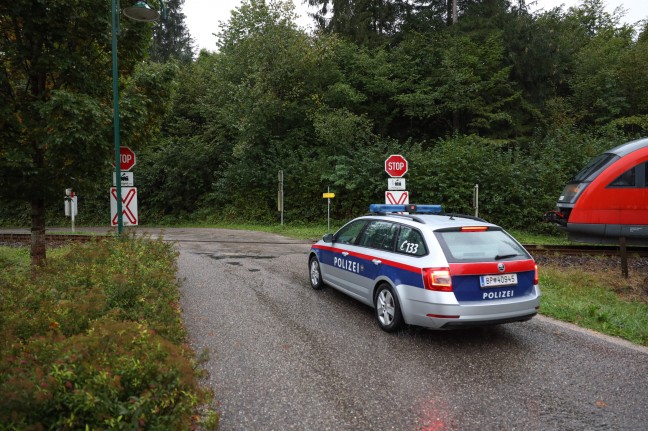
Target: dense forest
x=487, y=94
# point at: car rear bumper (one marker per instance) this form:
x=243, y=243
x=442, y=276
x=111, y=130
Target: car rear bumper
x=439, y=310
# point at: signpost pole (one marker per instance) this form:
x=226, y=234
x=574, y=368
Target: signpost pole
x=476, y=199
x=328, y=195
x=280, y=196
x=115, y=23
x=328, y=211
x=138, y=13
x=623, y=251
x=72, y=209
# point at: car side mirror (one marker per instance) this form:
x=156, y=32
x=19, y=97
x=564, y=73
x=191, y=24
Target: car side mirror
x=328, y=238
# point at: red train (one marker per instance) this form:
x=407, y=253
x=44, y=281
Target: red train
x=608, y=199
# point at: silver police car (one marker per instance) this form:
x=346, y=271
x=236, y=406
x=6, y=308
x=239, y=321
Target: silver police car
x=416, y=265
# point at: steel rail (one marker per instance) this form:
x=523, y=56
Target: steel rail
x=534, y=249
x=585, y=250
x=26, y=238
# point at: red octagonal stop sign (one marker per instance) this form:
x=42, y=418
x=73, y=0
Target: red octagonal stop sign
x=396, y=166
x=127, y=159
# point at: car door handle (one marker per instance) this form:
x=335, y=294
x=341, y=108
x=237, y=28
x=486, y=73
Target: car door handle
x=377, y=261
x=345, y=253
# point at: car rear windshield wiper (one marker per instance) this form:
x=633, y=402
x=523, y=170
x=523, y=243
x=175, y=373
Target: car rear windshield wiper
x=504, y=256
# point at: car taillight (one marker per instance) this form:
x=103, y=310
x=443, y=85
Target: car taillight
x=535, y=275
x=437, y=279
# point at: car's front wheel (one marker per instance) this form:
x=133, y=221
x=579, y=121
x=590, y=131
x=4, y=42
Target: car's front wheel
x=315, y=274
x=387, y=309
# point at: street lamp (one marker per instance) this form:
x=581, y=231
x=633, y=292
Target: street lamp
x=142, y=12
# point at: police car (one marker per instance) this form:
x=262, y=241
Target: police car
x=416, y=265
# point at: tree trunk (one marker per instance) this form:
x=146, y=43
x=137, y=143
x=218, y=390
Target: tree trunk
x=37, y=233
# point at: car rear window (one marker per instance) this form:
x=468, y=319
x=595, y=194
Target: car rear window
x=479, y=246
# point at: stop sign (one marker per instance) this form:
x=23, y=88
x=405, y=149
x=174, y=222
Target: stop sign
x=127, y=159
x=396, y=166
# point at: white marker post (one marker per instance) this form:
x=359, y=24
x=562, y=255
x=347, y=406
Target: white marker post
x=70, y=205
x=280, y=195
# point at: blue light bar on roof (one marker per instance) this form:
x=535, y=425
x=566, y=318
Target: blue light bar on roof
x=410, y=208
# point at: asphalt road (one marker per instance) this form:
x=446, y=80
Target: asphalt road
x=285, y=357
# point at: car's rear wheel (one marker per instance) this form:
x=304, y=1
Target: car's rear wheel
x=315, y=274
x=387, y=309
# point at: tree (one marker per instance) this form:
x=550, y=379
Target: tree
x=366, y=22
x=424, y=16
x=462, y=87
x=56, y=110
x=171, y=38
x=634, y=85
x=180, y=165
x=596, y=96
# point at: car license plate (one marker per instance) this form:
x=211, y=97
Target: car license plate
x=486, y=281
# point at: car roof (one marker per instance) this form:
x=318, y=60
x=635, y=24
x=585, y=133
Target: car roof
x=432, y=221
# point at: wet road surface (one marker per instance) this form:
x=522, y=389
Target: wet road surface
x=283, y=356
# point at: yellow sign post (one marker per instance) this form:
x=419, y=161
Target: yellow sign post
x=328, y=195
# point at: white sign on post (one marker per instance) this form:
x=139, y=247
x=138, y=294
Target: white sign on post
x=127, y=179
x=129, y=206
x=394, y=197
x=70, y=205
x=396, y=184
x=71, y=209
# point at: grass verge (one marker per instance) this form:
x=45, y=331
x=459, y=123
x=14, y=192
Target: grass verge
x=598, y=299
x=95, y=341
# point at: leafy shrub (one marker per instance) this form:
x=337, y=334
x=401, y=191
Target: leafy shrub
x=96, y=341
x=116, y=375
x=518, y=182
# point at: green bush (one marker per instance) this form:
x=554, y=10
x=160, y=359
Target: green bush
x=95, y=341
x=116, y=375
x=518, y=182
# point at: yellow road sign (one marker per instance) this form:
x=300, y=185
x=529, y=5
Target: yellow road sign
x=328, y=195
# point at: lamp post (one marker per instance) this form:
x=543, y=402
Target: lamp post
x=140, y=11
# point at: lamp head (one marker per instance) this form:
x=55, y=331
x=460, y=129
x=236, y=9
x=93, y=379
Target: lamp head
x=141, y=11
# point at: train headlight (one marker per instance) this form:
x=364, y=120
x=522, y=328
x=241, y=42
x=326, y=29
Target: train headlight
x=571, y=192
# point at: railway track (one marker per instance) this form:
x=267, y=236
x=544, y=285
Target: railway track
x=25, y=238
x=534, y=249
x=584, y=250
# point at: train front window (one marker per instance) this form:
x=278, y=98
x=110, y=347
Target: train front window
x=635, y=177
x=626, y=179
x=596, y=165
